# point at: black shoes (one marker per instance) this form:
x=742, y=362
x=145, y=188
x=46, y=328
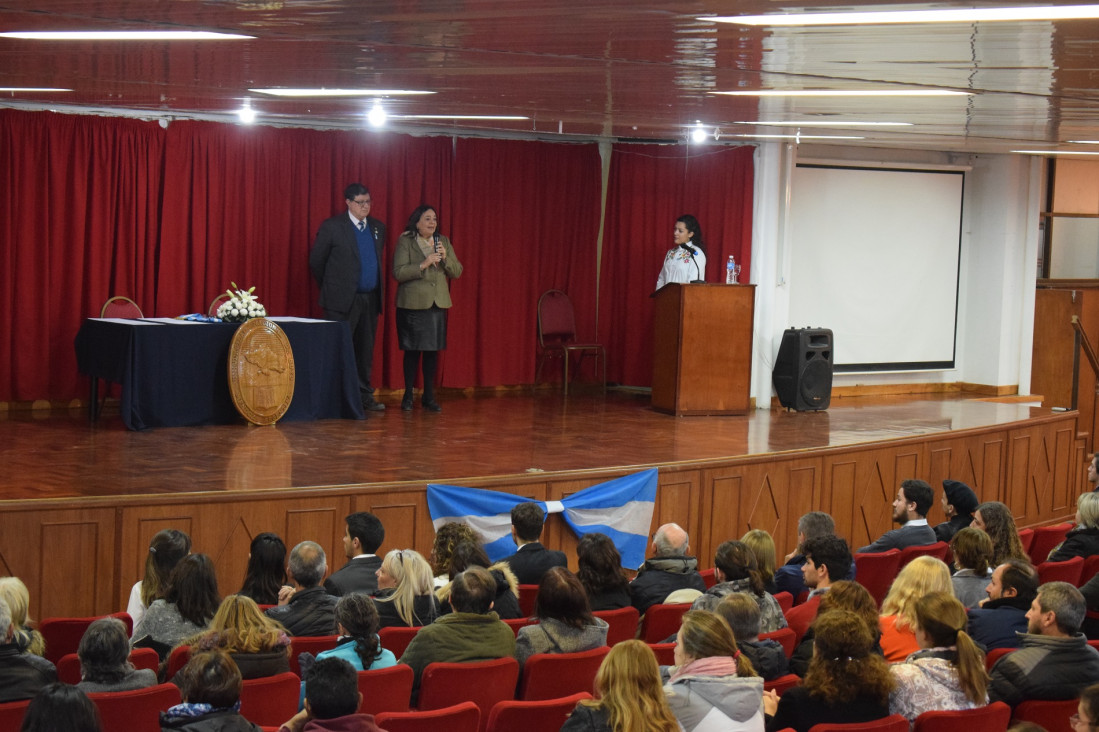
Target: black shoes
x=432, y=406
x=406, y=403
x=372, y=405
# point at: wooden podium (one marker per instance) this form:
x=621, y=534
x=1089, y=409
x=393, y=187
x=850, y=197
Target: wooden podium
x=702, y=343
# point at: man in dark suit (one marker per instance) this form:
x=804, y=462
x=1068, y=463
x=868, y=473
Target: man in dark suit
x=532, y=560
x=346, y=261
x=361, y=539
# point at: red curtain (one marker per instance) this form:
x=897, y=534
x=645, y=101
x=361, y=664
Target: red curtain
x=649, y=188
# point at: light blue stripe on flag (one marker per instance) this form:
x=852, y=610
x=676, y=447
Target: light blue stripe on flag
x=621, y=508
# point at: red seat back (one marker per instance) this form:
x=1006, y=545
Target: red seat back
x=386, y=689
x=1026, y=538
x=68, y=668
x=994, y=717
x=782, y=683
x=876, y=572
x=396, y=639
x=177, y=659
x=309, y=644
x=120, y=307
x=270, y=700
x=527, y=595
x=622, y=623
x=662, y=621
x=62, y=635
x=556, y=319
x=785, y=601
x=788, y=637
x=1045, y=539
x=554, y=675
x=709, y=576
x=464, y=717
x=995, y=655
x=664, y=652
x=1053, y=715
x=533, y=716
x=516, y=623
x=11, y=714
x=939, y=550
x=892, y=723
x=1066, y=571
x=136, y=711
x=482, y=682
x=802, y=616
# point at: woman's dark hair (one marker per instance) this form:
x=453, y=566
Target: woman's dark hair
x=467, y=554
x=193, y=589
x=695, y=228
x=266, y=572
x=600, y=565
x=844, y=665
x=972, y=550
x=61, y=706
x=417, y=215
x=447, y=537
x=562, y=597
x=210, y=677
x=104, y=652
x=1089, y=697
x=737, y=561
x=359, y=617
x=850, y=595
x=166, y=548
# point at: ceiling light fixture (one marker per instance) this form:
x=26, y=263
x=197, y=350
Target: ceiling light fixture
x=844, y=93
x=1054, y=152
x=32, y=89
x=698, y=133
x=1084, y=142
x=823, y=123
x=280, y=92
x=123, y=36
x=952, y=15
x=800, y=137
x=502, y=117
x=246, y=114
x=376, y=116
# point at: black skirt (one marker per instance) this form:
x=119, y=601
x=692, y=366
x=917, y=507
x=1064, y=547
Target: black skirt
x=421, y=330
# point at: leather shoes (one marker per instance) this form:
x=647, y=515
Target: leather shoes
x=406, y=404
x=432, y=406
x=373, y=405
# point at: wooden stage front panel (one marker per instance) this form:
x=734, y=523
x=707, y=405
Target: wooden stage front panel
x=79, y=548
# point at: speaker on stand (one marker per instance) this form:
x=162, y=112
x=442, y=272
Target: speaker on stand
x=803, y=370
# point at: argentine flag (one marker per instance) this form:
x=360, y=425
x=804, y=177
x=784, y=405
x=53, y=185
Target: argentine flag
x=621, y=508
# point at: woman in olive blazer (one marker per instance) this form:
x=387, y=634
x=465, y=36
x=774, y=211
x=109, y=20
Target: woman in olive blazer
x=423, y=263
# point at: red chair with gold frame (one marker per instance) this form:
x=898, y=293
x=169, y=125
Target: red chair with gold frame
x=557, y=337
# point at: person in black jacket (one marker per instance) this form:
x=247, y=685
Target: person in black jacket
x=532, y=560
x=1083, y=539
x=305, y=608
x=742, y=613
x=1001, y=617
x=959, y=503
x=600, y=571
x=670, y=569
x=362, y=536
x=210, y=686
x=20, y=677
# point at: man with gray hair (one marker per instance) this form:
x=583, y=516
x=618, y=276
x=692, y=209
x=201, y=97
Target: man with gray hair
x=305, y=608
x=788, y=577
x=20, y=678
x=670, y=569
x=1055, y=661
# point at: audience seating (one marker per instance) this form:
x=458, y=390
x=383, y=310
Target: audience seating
x=1091, y=568
x=516, y=623
x=802, y=597
x=386, y=689
x=397, y=638
x=1066, y=571
x=1094, y=644
x=11, y=714
x=1053, y=715
x=1045, y=539
x=788, y=637
x=785, y=601
x=1026, y=538
x=995, y=655
x=877, y=571
x=709, y=576
x=801, y=617
x=62, y=635
x=533, y=716
x=482, y=682
x=993, y=717
x=136, y=711
x=623, y=623
x=939, y=550
x=782, y=683
x=662, y=621
x=664, y=652
x=271, y=699
x=310, y=644
x=177, y=659
x=892, y=723
x=68, y=668
x=554, y=675
x=464, y=717
x=527, y=595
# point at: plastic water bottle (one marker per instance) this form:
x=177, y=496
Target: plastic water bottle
x=730, y=271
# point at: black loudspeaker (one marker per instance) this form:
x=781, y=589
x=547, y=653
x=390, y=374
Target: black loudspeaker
x=803, y=369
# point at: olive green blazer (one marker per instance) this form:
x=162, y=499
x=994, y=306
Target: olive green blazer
x=420, y=289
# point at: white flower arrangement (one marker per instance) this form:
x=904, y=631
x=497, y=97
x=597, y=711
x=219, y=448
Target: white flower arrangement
x=242, y=305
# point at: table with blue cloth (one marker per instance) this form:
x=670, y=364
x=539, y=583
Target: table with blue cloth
x=175, y=373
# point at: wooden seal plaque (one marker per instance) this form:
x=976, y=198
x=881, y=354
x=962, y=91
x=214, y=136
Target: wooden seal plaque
x=261, y=371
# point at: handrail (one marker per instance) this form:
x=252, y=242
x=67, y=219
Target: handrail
x=1089, y=351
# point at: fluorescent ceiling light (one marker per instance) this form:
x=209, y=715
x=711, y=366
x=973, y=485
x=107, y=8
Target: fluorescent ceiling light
x=123, y=36
x=1054, y=152
x=32, y=89
x=844, y=93
x=800, y=137
x=822, y=123
x=280, y=92
x=953, y=15
x=459, y=116
x=1084, y=142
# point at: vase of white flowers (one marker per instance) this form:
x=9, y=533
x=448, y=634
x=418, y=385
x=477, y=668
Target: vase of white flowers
x=242, y=305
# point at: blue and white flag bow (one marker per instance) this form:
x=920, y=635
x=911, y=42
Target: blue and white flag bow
x=621, y=508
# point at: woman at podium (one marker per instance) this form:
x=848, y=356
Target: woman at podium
x=686, y=261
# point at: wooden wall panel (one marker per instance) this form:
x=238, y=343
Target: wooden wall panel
x=679, y=500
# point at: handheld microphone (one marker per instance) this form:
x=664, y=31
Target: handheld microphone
x=437, y=246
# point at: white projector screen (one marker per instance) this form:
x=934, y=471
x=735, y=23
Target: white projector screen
x=874, y=256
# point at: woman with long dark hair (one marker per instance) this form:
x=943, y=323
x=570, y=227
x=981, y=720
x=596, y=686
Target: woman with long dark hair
x=565, y=623
x=166, y=549
x=686, y=261
x=266, y=572
x=468, y=554
x=995, y=519
x=600, y=572
x=186, y=608
x=61, y=707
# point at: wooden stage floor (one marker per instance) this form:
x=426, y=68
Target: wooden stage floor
x=58, y=455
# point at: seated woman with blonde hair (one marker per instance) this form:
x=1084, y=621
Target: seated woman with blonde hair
x=628, y=696
x=948, y=673
x=18, y=597
x=405, y=595
x=1083, y=539
x=898, y=613
x=257, y=644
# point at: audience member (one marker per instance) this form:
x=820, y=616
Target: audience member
x=532, y=560
x=846, y=682
x=166, y=548
x=898, y=612
x=362, y=536
x=405, y=595
x=258, y=645
x=266, y=572
x=827, y=558
x=20, y=676
x=972, y=550
x=763, y=546
x=448, y=536
x=742, y=614
x=910, y=507
x=210, y=686
x=788, y=577
x=736, y=570
x=305, y=608
x=186, y=608
x=17, y=596
x=1083, y=539
x=842, y=595
x=104, y=654
x=600, y=571
x=628, y=695
x=995, y=519
x=948, y=672
x=1087, y=712
x=959, y=502
x=469, y=554
x=472, y=632
x=332, y=700
x=565, y=623
x=61, y=707
x=1001, y=617
x=671, y=568
x=1055, y=660
x=1093, y=471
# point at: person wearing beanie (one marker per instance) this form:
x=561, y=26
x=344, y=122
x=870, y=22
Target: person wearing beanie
x=959, y=503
